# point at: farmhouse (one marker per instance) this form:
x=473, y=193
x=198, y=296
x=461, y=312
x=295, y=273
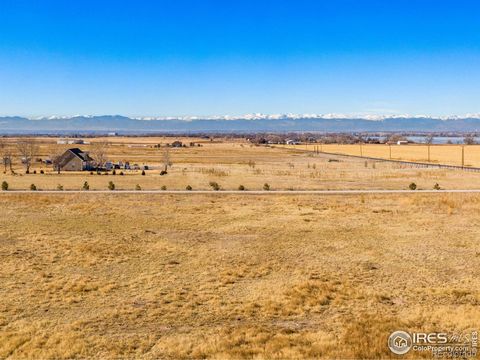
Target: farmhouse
x=74, y=160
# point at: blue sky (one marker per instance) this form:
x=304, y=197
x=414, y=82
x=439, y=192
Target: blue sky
x=207, y=57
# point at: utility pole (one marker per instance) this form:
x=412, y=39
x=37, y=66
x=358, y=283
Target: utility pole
x=463, y=155
x=390, y=149
x=361, y=150
x=428, y=146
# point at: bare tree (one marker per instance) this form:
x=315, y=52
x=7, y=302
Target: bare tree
x=469, y=140
x=7, y=156
x=28, y=149
x=56, y=153
x=3, y=146
x=99, y=153
x=429, y=139
x=393, y=138
x=166, y=159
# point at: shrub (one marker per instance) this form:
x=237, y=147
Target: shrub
x=42, y=172
x=266, y=187
x=86, y=186
x=163, y=187
x=33, y=187
x=27, y=172
x=241, y=188
x=214, y=185
x=121, y=173
x=436, y=186
x=189, y=188
x=412, y=186
x=138, y=187
x=35, y=172
x=114, y=172
x=163, y=172
x=4, y=186
x=91, y=172
x=111, y=186
x=143, y=172
x=60, y=187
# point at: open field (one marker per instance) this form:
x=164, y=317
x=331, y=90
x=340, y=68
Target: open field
x=228, y=277
x=437, y=154
x=234, y=163
x=173, y=275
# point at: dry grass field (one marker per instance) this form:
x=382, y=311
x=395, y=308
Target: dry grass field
x=234, y=163
x=229, y=276
x=439, y=154
x=210, y=276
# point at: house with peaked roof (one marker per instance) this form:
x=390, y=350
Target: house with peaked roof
x=75, y=160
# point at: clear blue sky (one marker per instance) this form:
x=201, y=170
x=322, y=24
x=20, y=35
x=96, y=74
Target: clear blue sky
x=206, y=57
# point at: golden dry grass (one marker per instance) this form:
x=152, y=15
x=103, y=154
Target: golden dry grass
x=208, y=276
x=441, y=154
x=233, y=163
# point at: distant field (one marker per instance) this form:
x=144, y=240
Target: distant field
x=200, y=276
x=442, y=154
x=141, y=276
x=232, y=163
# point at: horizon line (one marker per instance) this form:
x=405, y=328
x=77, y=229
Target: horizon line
x=256, y=116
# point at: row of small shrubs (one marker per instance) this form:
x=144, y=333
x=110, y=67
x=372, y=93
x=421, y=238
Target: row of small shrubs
x=34, y=172
x=413, y=186
x=5, y=186
x=111, y=186
x=214, y=185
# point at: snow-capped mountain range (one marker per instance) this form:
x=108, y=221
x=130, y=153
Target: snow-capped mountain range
x=260, y=116
x=246, y=123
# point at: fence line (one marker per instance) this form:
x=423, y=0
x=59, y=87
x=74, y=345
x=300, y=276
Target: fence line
x=415, y=164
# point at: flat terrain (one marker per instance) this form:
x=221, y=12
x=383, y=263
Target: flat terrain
x=435, y=154
x=194, y=276
x=224, y=275
x=233, y=163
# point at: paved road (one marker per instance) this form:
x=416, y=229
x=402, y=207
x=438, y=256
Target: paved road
x=237, y=192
